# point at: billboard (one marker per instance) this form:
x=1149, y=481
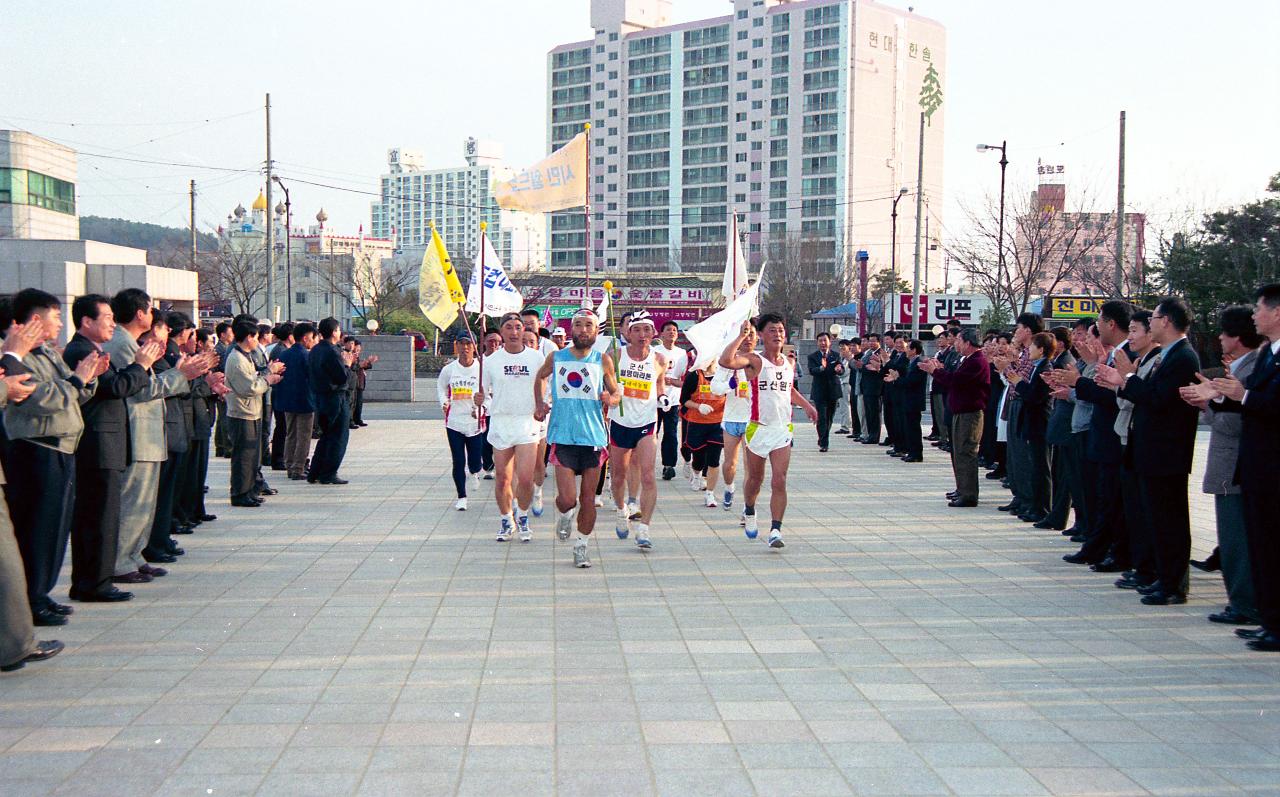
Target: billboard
x=937, y=308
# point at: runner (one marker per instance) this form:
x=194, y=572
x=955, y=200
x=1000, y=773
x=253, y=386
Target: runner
x=704, y=411
x=632, y=445
x=677, y=364
x=507, y=384
x=532, y=321
x=769, y=433
x=457, y=384
x=736, y=388
x=581, y=382
x=492, y=342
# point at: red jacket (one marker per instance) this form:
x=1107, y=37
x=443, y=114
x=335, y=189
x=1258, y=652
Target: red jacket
x=968, y=386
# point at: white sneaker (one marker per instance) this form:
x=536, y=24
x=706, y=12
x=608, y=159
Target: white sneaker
x=709, y=500
x=695, y=483
x=506, y=530
x=622, y=524
x=751, y=526
x=687, y=470
x=580, y=555
x=522, y=524
x=742, y=519
x=728, y=500
x=564, y=524
x=599, y=500
x=775, y=539
x=702, y=482
x=633, y=510
x=488, y=475
x=473, y=481
x=536, y=508
x=642, y=537
x=461, y=505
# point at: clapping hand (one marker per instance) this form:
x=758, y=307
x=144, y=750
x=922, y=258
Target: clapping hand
x=1200, y=394
x=892, y=376
x=274, y=378
x=147, y=354
x=193, y=365
x=1123, y=364
x=217, y=382
x=347, y=358
x=1063, y=377
x=275, y=367
x=104, y=362
x=370, y=360
x=1108, y=376
x=19, y=387
x=22, y=338
x=1061, y=393
x=87, y=369
x=1229, y=387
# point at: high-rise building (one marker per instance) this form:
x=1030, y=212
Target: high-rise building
x=457, y=199
x=802, y=117
x=37, y=188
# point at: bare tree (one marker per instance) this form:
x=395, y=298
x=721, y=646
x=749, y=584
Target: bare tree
x=238, y=275
x=802, y=278
x=373, y=287
x=1044, y=248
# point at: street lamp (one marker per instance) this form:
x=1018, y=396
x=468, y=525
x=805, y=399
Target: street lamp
x=1004, y=163
x=288, y=244
x=893, y=247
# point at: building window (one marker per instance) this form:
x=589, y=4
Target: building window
x=300, y=297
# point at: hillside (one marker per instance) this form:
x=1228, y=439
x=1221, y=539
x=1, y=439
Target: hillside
x=161, y=243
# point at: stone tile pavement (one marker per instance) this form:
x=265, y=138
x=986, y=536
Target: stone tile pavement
x=369, y=640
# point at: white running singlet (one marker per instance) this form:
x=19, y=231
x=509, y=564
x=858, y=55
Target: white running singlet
x=771, y=399
x=736, y=389
x=508, y=381
x=677, y=365
x=639, y=391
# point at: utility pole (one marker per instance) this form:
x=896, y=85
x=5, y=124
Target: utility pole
x=193, y=225
x=915, y=286
x=1118, y=293
x=271, y=273
x=927, y=247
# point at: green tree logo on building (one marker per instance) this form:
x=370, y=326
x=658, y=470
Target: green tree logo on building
x=930, y=94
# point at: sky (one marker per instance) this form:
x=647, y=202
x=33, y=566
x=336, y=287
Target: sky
x=184, y=83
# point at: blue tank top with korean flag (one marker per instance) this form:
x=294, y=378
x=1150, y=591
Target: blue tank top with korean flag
x=577, y=417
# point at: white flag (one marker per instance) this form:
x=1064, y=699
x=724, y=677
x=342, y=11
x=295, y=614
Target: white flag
x=500, y=296
x=735, y=267
x=710, y=336
x=602, y=309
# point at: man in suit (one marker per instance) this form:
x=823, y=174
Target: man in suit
x=104, y=451
x=1162, y=442
x=825, y=369
x=1257, y=399
x=1239, y=339
x=967, y=389
x=938, y=399
x=912, y=386
x=856, y=412
x=245, y=412
x=293, y=398
x=285, y=340
x=1063, y=497
x=18, y=644
x=871, y=386
x=44, y=431
x=896, y=361
x=148, y=448
x=205, y=392
x=1019, y=453
x=329, y=367
x=1032, y=425
x=221, y=443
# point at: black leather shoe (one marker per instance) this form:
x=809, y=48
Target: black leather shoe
x=154, y=572
x=246, y=502
x=1077, y=558
x=61, y=608
x=1009, y=507
x=44, y=650
x=107, y=595
x=1269, y=643
x=668, y=474
x=268, y=491
x=1078, y=538
x=998, y=473
x=1211, y=565
x=822, y=449
x=185, y=528
x=1047, y=526
x=1130, y=583
x=159, y=558
x=1165, y=599
x=886, y=443
x=962, y=502
x=893, y=452
x=175, y=552
x=208, y=518
x=1251, y=633
x=136, y=577
x=912, y=459
x=334, y=480
x=1229, y=616
x=47, y=617
x=952, y=495
x=1150, y=589
x=1107, y=565
x=1036, y=518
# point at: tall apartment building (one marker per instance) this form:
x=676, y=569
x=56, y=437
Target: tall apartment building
x=800, y=116
x=457, y=199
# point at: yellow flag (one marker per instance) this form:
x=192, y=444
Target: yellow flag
x=446, y=265
x=435, y=296
x=555, y=183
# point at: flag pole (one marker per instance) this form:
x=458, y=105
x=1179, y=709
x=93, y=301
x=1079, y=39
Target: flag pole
x=483, y=326
x=735, y=252
x=586, y=213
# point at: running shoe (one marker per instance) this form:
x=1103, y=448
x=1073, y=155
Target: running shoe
x=522, y=523
x=709, y=500
x=580, y=555
x=599, y=500
x=775, y=539
x=461, y=505
x=536, y=508
x=751, y=526
x=508, y=528
x=695, y=482
x=642, y=537
x=564, y=525
x=702, y=482
x=742, y=519
x=633, y=509
x=473, y=481
x=488, y=475
x=687, y=470
x=622, y=526
x=728, y=500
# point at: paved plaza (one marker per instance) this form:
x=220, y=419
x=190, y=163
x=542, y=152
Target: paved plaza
x=368, y=639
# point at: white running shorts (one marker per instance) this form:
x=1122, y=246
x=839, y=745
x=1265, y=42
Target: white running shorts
x=507, y=431
x=764, y=440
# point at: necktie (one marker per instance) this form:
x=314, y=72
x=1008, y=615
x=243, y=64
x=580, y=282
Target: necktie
x=1155, y=366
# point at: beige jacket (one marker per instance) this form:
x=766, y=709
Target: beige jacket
x=50, y=416
x=247, y=386
x=146, y=409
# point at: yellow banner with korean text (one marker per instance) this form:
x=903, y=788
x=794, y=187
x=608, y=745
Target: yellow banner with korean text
x=557, y=182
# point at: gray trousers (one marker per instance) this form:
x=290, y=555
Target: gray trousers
x=297, y=441
x=966, y=433
x=1233, y=547
x=938, y=407
x=138, y=494
x=17, y=636
x=246, y=443
x=1018, y=459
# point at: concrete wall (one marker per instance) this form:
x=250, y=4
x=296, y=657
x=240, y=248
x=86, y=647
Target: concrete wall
x=392, y=378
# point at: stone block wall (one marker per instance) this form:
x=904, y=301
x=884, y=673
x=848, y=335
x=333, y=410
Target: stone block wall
x=391, y=379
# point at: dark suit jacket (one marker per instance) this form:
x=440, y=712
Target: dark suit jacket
x=1059, y=432
x=177, y=409
x=1033, y=421
x=897, y=362
x=826, y=382
x=872, y=381
x=1164, y=426
x=105, y=443
x=913, y=385
x=328, y=374
x=1258, y=464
